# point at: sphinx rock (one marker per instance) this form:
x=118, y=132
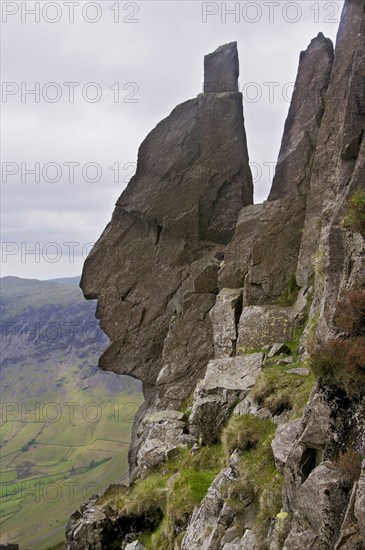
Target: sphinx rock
x=154, y=270
x=181, y=205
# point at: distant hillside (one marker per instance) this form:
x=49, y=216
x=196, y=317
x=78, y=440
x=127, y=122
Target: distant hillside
x=50, y=347
x=49, y=331
x=66, y=281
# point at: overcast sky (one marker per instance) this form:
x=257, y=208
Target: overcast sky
x=133, y=62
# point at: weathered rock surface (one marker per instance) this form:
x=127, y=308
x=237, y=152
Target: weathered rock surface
x=338, y=169
x=226, y=382
x=321, y=502
x=91, y=527
x=97, y=527
x=260, y=326
x=250, y=254
x=221, y=70
x=293, y=171
x=350, y=537
x=247, y=542
x=224, y=316
x=237, y=255
x=283, y=442
x=162, y=434
x=154, y=270
x=212, y=518
x=207, y=180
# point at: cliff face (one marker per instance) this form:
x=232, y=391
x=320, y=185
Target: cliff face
x=168, y=229
x=216, y=304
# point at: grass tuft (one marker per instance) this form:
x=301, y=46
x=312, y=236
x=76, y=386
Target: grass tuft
x=290, y=293
x=354, y=218
x=279, y=391
x=340, y=363
x=349, y=463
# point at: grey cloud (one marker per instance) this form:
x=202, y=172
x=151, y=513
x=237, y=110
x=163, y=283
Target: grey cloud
x=163, y=54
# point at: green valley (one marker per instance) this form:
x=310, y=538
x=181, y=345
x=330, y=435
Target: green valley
x=65, y=425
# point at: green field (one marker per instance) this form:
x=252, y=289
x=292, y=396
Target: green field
x=49, y=468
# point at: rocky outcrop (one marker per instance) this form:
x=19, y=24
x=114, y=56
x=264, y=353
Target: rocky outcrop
x=226, y=382
x=207, y=180
x=212, y=518
x=162, y=433
x=161, y=333
x=283, y=442
x=318, y=526
x=273, y=259
x=91, y=527
x=200, y=292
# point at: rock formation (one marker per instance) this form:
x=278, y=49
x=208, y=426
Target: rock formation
x=216, y=304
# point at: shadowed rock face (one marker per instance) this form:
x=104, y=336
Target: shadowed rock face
x=293, y=170
x=264, y=252
x=338, y=169
x=179, y=211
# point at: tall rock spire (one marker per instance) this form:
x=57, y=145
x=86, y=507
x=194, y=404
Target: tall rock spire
x=293, y=170
x=269, y=238
x=338, y=168
x=221, y=69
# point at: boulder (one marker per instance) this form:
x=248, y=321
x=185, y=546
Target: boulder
x=283, y=442
x=226, y=382
x=318, y=424
x=321, y=502
x=278, y=349
x=264, y=325
x=135, y=546
x=224, y=316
